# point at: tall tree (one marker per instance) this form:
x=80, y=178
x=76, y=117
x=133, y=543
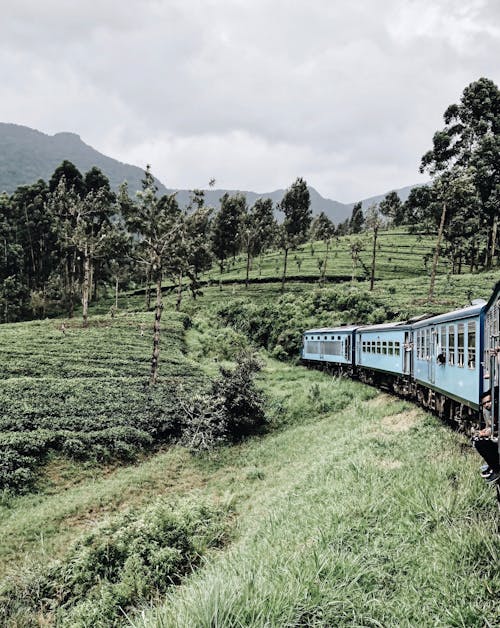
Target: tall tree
x=373, y=221
x=392, y=207
x=84, y=226
x=470, y=143
x=226, y=228
x=72, y=176
x=296, y=205
x=322, y=228
x=157, y=223
x=357, y=219
x=257, y=231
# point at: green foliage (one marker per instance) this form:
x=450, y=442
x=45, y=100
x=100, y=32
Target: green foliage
x=82, y=393
x=278, y=325
x=232, y=409
x=126, y=560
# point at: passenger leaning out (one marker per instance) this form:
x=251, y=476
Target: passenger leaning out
x=486, y=443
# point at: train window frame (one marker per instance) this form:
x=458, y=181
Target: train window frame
x=397, y=348
x=384, y=347
x=390, y=347
x=451, y=335
x=442, y=341
x=461, y=345
x=471, y=344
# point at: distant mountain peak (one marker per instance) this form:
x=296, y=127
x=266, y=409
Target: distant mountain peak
x=27, y=155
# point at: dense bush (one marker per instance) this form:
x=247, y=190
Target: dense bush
x=128, y=559
x=278, y=325
x=232, y=408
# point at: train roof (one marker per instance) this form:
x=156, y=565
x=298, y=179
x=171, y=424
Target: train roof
x=382, y=326
x=330, y=330
x=465, y=312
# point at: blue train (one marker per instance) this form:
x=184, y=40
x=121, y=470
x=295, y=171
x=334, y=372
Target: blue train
x=445, y=362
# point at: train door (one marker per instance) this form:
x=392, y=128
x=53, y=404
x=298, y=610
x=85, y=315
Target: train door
x=431, y=352
x=492, y=342
x=407, y=353
x=321, y=348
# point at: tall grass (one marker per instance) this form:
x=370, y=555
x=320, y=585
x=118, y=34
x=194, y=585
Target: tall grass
x=373, y=516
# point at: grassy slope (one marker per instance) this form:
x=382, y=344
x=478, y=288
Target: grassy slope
x=370, y=516
x=398, y=255
x=367, y=515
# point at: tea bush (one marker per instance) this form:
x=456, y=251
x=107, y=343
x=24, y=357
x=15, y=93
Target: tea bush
x=84, y=392
x=232, y=408
x=126, y=560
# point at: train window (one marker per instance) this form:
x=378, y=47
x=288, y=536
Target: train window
x=378, y=346
x=384, y=348
x=396, y=348
x=460, y=344
x=442, y=340
x=390, y=348
x=451, y=344
x=347, y=348
x=338, y=337
x=428, y=341
x=471, y=345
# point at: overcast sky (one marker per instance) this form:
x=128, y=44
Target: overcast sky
x=345, y=93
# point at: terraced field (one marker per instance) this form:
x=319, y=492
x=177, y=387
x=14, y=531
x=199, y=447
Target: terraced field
x=82, y=391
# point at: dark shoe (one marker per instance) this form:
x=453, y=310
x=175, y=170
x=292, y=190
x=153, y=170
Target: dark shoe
x=485, y=473
x=493, y=477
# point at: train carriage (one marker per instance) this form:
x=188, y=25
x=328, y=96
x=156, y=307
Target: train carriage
x=383, y=355
x=447, y=363
x=491, y=352
x=330, y=345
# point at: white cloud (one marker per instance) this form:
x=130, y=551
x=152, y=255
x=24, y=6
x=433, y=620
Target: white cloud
x=345, y=94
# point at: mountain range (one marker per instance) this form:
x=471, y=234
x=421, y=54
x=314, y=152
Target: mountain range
x=27, y=155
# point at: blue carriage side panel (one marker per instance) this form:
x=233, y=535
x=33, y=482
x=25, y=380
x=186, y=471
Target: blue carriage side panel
x=329, y=344
x=447, y=354
x=384, y=348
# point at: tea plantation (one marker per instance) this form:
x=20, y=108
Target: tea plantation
x=82, y=391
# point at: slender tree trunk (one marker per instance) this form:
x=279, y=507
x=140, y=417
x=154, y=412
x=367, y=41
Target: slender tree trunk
x=116, y=292
x=33, y=264
x=248, y=267
x=86, y=286
x=494, y=231
x=374, y=256
x=148, y=291
x=325, y=261
x=283, y=279
x=156, y=332
x=436, y=253
x=72, y=280
x=92, y=289
x=179, y=293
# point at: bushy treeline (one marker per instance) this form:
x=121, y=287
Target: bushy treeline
x=125, y=561
x=63, y=240
x=278, y=325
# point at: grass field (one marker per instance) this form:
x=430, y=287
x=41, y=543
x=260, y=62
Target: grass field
x=356, y=509
x=398, y=254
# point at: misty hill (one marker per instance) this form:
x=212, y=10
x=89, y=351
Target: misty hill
x=27, y=155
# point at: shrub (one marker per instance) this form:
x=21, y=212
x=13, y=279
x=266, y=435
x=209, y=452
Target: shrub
x=126, y=560
x=232, y=409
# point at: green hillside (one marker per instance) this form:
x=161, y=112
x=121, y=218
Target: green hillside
x=354, y=508
x=399, y=254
